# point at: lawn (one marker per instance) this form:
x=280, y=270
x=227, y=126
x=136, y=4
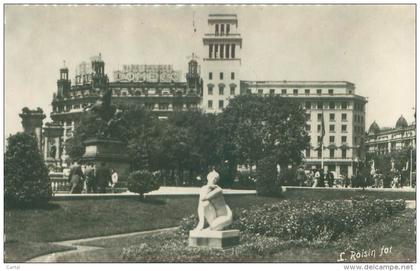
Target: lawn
x=28, y=231
x=397, y=233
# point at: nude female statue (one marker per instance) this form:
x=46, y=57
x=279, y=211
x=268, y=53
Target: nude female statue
x=212, y=207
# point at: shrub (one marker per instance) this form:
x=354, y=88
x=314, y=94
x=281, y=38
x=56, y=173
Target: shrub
x=142, y=181
x=267, y=177
x=26, y=176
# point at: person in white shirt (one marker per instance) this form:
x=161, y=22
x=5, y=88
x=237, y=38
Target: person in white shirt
x=317, y=177
x=114, y=179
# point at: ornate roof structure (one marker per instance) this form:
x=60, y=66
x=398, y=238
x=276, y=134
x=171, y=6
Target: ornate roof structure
x=401, y=123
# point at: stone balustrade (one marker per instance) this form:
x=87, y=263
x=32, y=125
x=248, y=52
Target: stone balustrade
x=60, y=184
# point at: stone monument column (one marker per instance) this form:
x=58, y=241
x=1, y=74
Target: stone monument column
x=53, y=131
x=45, y=148
x=32, y=123
x=57, y=144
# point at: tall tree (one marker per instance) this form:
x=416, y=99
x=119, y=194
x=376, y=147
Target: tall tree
x=268, y=130
x=25, y=174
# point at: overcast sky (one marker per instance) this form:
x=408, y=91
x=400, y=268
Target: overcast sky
x=371, y=46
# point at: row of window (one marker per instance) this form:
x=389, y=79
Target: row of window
x=358, y=118
x=331, y=115
x=329, y=105
x=221, y=76
x=219, y=29
x=210, y=104
x=224, y=51
x=359, y=129
x=331, y=128
x=332, y=153
x=221, y=90
x=332, y=139
x=85, y=78
x=296, y=91
x=359, y=106
x=151, y=106
x=165, y=106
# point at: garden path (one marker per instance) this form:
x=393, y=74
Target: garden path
x=78, y=246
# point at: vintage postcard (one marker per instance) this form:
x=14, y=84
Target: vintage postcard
x=210, y=134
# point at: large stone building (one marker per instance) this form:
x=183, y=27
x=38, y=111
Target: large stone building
x=385, y=140
x=160, y=88
x=336, y=104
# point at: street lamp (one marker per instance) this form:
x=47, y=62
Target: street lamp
x=411, y=167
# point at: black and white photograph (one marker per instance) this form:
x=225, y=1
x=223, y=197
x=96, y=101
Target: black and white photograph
x=218, y=133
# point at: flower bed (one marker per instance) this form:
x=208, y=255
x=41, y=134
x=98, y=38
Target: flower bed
x=268, y=229
x=314, y=220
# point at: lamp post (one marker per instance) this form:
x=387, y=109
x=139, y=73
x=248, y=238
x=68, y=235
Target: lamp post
x=411, y=167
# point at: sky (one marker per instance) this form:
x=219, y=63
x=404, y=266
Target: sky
x=372, y=46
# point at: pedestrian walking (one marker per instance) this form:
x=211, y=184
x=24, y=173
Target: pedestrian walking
x=76, y=178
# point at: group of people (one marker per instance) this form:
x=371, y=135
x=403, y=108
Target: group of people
x=317, y=178
x=375, y=179
x=396, y=179
x=91, y=179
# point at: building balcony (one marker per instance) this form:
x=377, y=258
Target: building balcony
x=223, y=59
x=222, y=35
x=330, y=160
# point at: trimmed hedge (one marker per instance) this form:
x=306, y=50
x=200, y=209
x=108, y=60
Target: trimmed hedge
x=141, y=182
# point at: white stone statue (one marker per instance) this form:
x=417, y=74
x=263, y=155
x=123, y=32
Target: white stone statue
x=212, y=207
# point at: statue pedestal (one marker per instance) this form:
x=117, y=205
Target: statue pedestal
x=214, y=239
x=108, y=152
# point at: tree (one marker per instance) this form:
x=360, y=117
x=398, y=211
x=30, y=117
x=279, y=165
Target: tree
x=204, y=139
x=26, y=176
x=266, y=131
x=128, y=123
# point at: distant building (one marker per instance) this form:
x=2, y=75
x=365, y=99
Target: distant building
x=385, y=140
x=157, y=87
x=336, y=104
x=160, y=89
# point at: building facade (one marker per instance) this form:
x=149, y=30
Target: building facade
x=332, y=103
x=222, y=64
x=385, y=140
x=160, y=88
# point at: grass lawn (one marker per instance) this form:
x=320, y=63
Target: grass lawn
x=397, y=233
x=28, y=231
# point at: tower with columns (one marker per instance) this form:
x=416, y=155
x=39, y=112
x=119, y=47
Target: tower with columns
x=221, y=66
x=63, y=83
